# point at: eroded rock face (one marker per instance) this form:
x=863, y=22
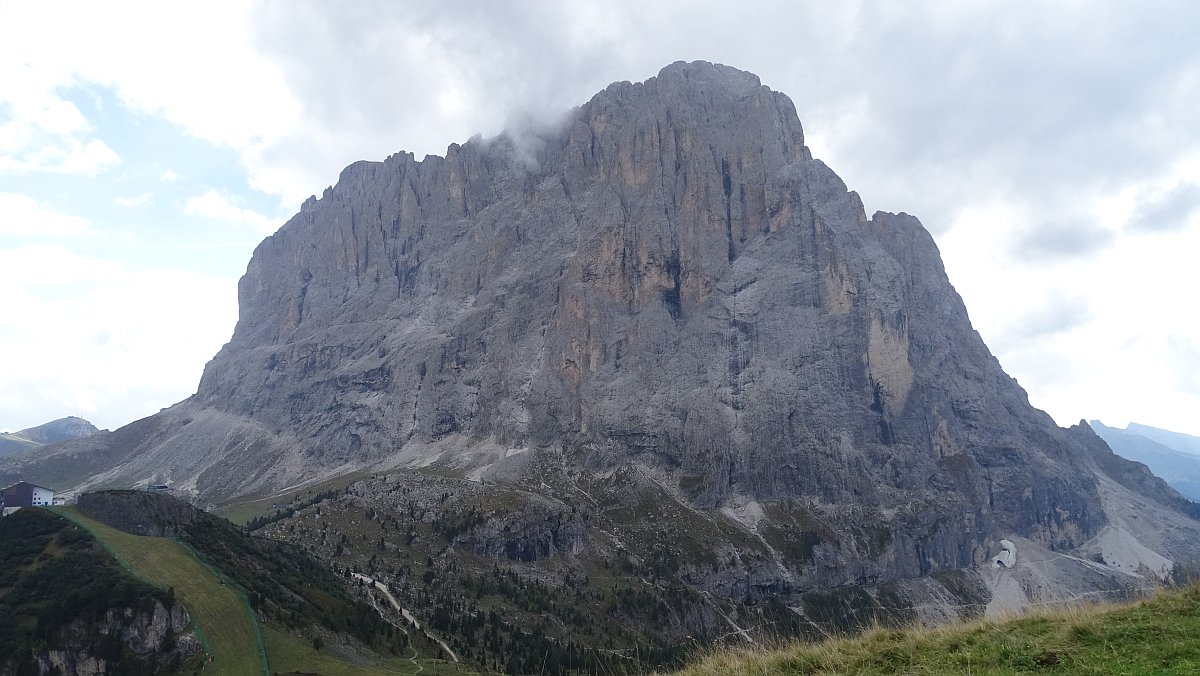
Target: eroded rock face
x=150, y=640
x=671, y=280
x=137, y=512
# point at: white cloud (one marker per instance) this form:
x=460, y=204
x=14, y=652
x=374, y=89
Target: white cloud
x=89, y=157
x=132, y=201
x=197, y=66
x=1104, y=337
x=22, y=216
x=33, y=150
x=39, y=131
x=212, y=204
x=169, y=175
x=87, y=345
x=1170, y=209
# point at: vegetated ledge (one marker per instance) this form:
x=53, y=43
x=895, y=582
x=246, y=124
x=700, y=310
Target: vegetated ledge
x=1160, y=634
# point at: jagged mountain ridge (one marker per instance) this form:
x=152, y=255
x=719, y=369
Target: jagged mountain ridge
x=666, y=283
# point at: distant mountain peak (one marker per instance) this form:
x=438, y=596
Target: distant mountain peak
x=70, y=427
x=63, y=429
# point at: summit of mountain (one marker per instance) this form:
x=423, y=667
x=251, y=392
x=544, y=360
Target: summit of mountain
x=62, y=429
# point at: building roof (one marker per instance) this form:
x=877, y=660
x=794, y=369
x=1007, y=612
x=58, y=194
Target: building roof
x=28, y=484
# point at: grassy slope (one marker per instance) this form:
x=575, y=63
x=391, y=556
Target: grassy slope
x=222, y=617
x=218, y=610
x=291, y=655
x=38, y=550
x=1159, y=635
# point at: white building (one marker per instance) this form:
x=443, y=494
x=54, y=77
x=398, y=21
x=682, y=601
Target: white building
x=25, y=494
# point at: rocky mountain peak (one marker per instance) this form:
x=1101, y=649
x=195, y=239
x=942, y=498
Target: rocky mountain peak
x=709, y=103
x=664, y=295
x=63, y=429
x=673, y=282
x=70, y=427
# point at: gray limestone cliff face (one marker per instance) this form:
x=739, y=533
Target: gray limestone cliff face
x=666, y=278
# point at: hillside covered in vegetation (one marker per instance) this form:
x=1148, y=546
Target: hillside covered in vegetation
x=1159, y=635
x=301, y=605
x=65, y=602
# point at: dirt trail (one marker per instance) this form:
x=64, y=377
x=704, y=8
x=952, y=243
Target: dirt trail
x=407, y=615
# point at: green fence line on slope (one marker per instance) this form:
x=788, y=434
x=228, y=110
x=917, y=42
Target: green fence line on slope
x=136, y=573
x=241, y=594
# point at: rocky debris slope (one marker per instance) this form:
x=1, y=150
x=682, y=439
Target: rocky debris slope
x=664, y=292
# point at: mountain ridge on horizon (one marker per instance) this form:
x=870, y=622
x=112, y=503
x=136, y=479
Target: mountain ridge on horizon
x=1175, y=464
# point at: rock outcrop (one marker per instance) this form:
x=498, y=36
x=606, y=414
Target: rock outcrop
x=142, y=640
x=669, y=280
x=138, y=512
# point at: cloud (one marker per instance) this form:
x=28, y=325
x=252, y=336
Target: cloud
x=1185, y=354
x=134, y=201
x=23, y=216
x=1173, y=209
x=40, y=131
x=169, y=175
x=422, y=78
x=80, y=326
x=203, y=58
x=33, y=150
x=1055, y=314
x=212, y=204
x=1052, y=240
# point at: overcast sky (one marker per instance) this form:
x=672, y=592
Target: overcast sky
x=1053, y=149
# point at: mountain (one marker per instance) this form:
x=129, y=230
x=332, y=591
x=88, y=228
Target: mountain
x=655, y=358
x=11, y=444
x=52, y=432
x=1179, y=468
x=1184, y=443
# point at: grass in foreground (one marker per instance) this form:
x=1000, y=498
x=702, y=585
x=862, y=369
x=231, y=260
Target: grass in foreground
x=1160, y=635
x=216, y=608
